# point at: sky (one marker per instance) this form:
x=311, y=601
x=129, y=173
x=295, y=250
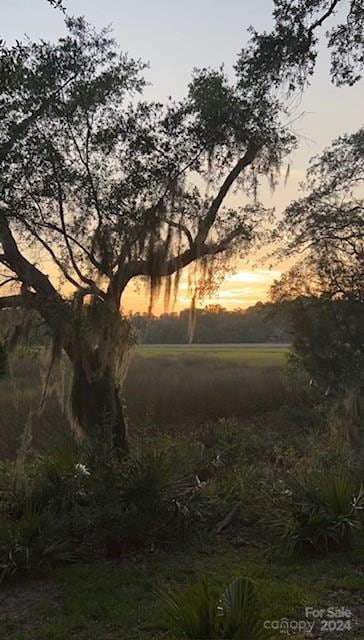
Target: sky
x=175, y=36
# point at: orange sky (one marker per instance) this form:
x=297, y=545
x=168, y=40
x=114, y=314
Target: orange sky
x=242, y=289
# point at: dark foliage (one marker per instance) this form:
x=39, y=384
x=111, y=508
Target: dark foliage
x=214, y=324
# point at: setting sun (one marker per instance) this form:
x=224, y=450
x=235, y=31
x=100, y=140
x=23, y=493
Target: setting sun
x=239, y=290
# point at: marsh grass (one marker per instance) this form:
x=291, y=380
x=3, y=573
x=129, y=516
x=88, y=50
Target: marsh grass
x=167, y=390
x=246, y=355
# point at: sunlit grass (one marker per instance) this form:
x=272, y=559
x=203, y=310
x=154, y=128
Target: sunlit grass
x=248, y=355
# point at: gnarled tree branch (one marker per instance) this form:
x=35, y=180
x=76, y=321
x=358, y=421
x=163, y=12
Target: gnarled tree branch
x=27, y=272
x=210, y=217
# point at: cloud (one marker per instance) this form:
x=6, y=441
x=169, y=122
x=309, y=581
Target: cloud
x=259, y=276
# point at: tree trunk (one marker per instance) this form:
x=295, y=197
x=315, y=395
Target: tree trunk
x=354, y=408
x=96, y=399
x=97, y=406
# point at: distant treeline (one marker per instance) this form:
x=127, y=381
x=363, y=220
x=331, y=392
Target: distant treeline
x=214, y=324
x=263, y=322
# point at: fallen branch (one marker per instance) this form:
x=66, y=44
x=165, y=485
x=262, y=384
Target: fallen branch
x=227, y=520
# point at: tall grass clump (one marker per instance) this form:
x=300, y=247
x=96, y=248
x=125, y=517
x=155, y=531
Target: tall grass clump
x=33, y=541
x=201, y=611
x=322, y=512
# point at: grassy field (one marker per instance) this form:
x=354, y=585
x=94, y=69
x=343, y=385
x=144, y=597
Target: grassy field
x=166, y=386
x=181, y=384
x=246, y=355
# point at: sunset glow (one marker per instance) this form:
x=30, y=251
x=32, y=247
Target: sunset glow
x=239, y=290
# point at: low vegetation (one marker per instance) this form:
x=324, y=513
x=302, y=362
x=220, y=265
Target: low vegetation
x=259, y=492
x=201, y=612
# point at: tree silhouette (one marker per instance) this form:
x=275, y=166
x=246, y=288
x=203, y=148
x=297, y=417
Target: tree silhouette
x=98, y=186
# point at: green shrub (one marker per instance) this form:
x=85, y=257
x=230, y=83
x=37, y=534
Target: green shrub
x=33, y=541
x=322, y=512
x=145, y=481
x=203, y=612
x=60, y=482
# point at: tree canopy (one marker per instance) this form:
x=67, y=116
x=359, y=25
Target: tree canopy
x=97, y=182
x=289, y=52
x=327, y=225
x=103, y=185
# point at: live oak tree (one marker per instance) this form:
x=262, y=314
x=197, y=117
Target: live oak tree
x=327, y=225
x=290, y=51
x=327, y=285
x=98, y=186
